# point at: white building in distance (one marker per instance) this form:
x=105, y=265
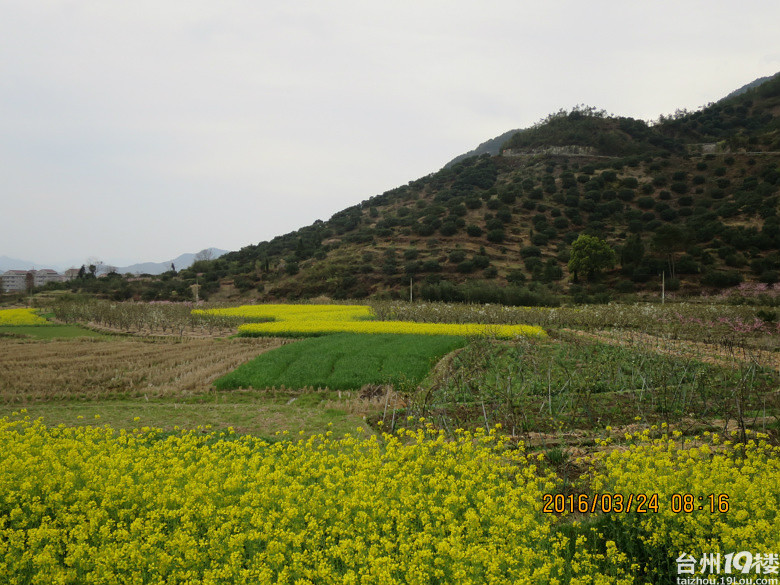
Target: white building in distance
x=17, y=280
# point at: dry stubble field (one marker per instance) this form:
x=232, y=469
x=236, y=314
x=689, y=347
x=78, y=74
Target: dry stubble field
x=88, y=368
x=162, y=382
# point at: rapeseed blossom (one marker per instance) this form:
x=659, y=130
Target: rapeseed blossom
x=714, y=496
x=308, y=320
x=285, y=312
x=97, y=505
x=21, y=317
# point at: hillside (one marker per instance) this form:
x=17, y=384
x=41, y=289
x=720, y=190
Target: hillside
x=694, y=196
x=749, y=121
x=594, y=132
x=492, y=147
x=747, y=86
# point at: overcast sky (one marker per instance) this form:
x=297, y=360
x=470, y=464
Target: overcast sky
x=137, y=131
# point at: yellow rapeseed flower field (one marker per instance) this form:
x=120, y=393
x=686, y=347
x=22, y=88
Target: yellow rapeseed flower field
x=21, y=317
x=96, y=505
x=307, y=320
x=714, y=496
x=284, y=312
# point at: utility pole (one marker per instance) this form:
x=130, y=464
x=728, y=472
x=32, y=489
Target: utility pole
x=196, y=287
x=411, y=289
x=663, y=287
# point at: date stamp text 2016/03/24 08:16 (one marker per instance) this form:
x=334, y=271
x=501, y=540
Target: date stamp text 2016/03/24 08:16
x=640, y=503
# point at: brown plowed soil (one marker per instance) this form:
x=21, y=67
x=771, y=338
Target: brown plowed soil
x=98, y=368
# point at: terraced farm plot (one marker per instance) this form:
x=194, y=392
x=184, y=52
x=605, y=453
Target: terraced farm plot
x=344, y=361
x=89, y=368
x=113, y=410
x=313, y=320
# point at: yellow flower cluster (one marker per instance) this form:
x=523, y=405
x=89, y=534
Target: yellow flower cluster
x=21, y=317
x=307, y=320
x=691, y=478
x=95, y=505
x=292, y=313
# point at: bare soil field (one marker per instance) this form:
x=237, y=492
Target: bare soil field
x=90, y=368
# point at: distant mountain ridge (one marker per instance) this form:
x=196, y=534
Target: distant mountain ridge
x=7, y=263
x=182, y=261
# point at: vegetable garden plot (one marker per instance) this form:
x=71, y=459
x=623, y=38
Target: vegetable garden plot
x=343, y=361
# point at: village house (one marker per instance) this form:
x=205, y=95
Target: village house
x=16, y=280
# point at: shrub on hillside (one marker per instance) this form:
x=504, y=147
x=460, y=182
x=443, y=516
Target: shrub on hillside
x=721, y=278
x=496, y=236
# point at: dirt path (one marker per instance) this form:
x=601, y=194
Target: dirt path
x=147, y=333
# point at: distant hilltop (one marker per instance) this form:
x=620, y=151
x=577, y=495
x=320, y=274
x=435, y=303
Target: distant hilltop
x=183, y=261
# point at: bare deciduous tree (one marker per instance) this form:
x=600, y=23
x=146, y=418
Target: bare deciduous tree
x=95, y=266
x=204, y=255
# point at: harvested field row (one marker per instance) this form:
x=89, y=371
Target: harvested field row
x=720, y=354
x=214, y=330
x=88, y=368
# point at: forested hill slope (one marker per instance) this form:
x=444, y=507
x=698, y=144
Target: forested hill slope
x=492, y=147
x=748, y=121
x=748, y=86
x=694, y=197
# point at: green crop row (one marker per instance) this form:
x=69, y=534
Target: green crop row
x=343, y=361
